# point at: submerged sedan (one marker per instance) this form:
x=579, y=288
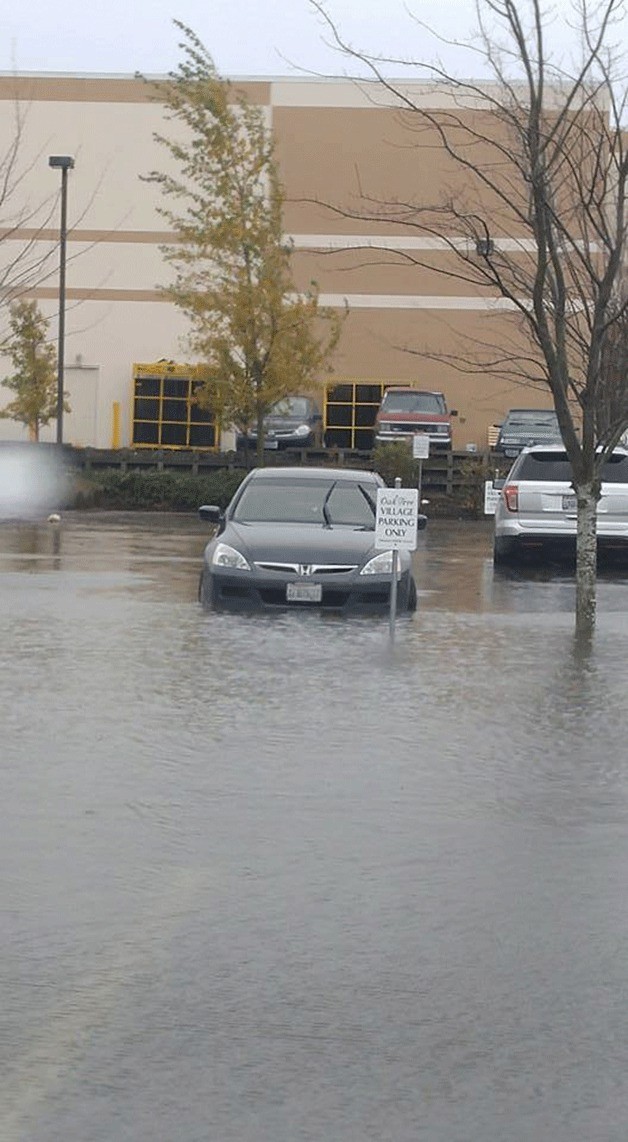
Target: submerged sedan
x=302, y=537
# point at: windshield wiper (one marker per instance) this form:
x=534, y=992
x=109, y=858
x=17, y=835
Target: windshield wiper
x=325, y=502
x=371, y=503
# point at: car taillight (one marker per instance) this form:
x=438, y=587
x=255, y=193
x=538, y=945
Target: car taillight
x=511, y=497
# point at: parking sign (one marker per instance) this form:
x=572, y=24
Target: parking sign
x=397, y=519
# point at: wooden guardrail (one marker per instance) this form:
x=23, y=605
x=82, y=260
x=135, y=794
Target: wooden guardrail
x=442, y=472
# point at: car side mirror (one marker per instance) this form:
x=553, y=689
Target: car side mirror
x=454, y=412
x=210, y=513
x=421, y=522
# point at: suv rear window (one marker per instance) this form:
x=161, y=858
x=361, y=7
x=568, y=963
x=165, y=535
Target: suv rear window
x=556, y=466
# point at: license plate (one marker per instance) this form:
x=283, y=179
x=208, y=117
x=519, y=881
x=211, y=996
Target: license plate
x=271, y=443
x=570, y=504
x=304, y=592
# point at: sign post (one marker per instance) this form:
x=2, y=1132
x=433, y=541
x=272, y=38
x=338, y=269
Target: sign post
x=491, y=497
x=420, y=452
x=396, y=525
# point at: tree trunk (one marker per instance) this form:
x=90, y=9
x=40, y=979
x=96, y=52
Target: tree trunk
x=260, y=438
x=586, y=559
x=33, y=432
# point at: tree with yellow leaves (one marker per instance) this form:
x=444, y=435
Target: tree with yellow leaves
x=257, y=338
x=34, y=380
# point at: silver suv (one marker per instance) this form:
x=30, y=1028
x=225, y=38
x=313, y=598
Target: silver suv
x=536, y=510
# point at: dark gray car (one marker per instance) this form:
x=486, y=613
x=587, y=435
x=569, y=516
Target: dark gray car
x=293, y=422
x=302, y=537
x=524, y=427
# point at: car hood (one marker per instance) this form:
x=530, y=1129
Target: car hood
x=285, y=422
x=281, y=424
x=299, y=543
x=412, y=417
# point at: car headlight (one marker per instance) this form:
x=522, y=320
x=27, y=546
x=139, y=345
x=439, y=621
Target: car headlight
x=302, y=430
x=379, y=565
x=226, y=556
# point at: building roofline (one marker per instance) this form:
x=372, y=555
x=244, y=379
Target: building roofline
x=305, y=91
x=161, y=77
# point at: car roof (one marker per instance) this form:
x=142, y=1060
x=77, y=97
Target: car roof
x=535, y=410
x=559, y=449
x=293, y=396
x=304, y=472
x=412, y=389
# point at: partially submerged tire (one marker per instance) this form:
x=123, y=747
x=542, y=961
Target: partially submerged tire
x=204, y=597
x=406, y=595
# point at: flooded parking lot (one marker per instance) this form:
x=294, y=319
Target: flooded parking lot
x=268, y=879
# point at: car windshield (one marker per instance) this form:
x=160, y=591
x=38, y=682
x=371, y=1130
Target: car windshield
x=291, y=406
x=556, y=466
x=528, y=418
x=319, y=502
x=413, y=402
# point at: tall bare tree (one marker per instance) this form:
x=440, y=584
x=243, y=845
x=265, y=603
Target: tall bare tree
x=538, y=218
x=257, y=338
x=613, y=408
x=24, y=258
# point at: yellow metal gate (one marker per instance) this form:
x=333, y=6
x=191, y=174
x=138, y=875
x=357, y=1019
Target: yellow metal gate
x=165, y=412
x=350, y=408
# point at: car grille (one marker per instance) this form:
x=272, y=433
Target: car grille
x=308, y=569
x=404, y=426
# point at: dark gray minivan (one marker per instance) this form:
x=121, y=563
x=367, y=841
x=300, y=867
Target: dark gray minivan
x=524, y=427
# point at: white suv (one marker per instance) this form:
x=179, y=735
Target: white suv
x=536, y=510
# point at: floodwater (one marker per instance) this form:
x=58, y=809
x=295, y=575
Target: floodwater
x=272, y=880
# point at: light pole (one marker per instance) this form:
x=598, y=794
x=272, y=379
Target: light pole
x=64, y=163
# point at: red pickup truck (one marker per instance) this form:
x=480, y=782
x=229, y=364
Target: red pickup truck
x=406, y=411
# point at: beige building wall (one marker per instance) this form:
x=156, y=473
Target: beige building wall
x=343, y=157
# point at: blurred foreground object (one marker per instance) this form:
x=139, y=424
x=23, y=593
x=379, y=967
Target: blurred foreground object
x=32, y=481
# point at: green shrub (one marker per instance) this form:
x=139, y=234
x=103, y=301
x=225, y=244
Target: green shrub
x=155, y=491
x=392, y=460
x=474, y=471
x=470, y=493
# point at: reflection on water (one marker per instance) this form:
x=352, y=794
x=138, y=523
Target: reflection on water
x=269, y=879
x=33, y=541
